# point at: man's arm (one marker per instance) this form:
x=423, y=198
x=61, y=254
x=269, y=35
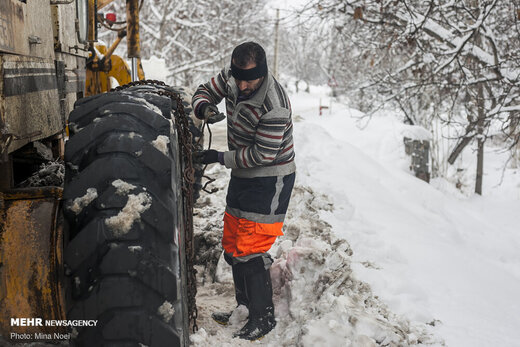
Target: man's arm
x=268, y=140
x=210, y=93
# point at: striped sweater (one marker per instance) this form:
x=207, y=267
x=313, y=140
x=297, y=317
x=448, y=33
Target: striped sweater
x=260, y=128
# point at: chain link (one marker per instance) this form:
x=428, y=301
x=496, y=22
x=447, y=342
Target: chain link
x=186, y=147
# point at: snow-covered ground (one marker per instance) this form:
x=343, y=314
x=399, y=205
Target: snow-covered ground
x=372, y=255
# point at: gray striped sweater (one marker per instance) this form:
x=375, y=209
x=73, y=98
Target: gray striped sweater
x=260, y=128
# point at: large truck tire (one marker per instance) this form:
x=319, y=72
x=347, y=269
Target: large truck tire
x=123, y=209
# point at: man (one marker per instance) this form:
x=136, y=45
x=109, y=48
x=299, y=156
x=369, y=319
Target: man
x=261, y=159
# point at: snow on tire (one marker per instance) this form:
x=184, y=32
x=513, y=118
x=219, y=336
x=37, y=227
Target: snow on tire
x=123, y=210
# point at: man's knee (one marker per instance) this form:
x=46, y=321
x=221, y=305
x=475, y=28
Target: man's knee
x=260, y=262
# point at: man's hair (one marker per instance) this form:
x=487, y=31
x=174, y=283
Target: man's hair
x=248, y=52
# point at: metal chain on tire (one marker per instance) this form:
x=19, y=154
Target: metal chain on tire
x=210, y=180
x=186, y=146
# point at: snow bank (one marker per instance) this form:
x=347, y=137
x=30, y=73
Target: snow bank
x=318, y=301
x=371, y=255
x=317, y=291
x=436, y=255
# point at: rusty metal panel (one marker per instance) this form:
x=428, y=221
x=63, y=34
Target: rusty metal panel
x=31, y=253
x=26, y=28
x=13, y=37
x=38, y=28
x=6, y=27
x=29, y=100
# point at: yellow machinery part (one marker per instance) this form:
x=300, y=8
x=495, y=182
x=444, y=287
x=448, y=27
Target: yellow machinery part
x=31, y=253
x=98, y=77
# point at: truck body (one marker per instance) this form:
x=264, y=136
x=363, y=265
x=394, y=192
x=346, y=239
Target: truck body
x=43, y=52
x=50, y=66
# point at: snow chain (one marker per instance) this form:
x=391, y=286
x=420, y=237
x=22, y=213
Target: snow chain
x=186, y=145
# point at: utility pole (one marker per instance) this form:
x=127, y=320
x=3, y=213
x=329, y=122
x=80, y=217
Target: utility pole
x=275, y=67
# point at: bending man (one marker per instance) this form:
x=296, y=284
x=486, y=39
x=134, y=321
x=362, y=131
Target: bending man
x=261, y=159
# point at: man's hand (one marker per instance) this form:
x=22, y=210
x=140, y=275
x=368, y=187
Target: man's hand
x=215, y=118
x=208, y=157
x=211, y=114
x=209, y=110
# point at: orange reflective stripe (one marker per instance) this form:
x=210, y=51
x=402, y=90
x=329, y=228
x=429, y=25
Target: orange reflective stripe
x=243, y=237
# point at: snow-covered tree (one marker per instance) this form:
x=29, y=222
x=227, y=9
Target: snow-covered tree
x=458, y=60
x=303, y=52
x=196, y=38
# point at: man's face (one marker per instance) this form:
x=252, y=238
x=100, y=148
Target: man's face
x=248, y=87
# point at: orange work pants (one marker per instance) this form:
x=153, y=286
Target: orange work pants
x=243, y=237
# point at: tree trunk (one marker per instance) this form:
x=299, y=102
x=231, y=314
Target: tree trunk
x=480, y=126
x=481, y=140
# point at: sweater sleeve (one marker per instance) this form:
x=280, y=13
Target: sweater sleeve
x=211, y=92
x=268, y=141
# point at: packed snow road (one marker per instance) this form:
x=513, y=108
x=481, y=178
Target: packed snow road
x=371, y=255
x=318, y=300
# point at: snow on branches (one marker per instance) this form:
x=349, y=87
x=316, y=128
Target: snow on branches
x=196, y=38
x=453, y=60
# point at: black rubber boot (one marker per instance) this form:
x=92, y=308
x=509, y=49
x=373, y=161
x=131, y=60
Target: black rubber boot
x=240, y=287
x=240, y=294
x=261, y=309
x=221, y=318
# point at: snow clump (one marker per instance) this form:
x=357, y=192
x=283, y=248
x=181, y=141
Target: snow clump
x=51, y=173
x=161, y=143
x=75, y=128
x=150, y=105
x=133, y=134
x=135, y=248
x=80, y=203
x=166, y=311
x=123, y=188
x=123, y=221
